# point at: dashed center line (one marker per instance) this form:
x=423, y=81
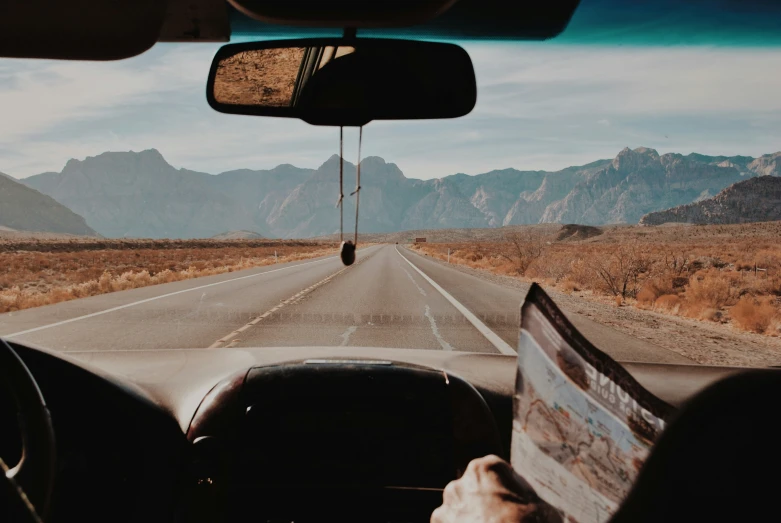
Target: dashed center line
x=160, y=297
x=232, y=339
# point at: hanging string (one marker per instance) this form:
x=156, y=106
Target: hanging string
x=341, y=184
x=347, y=250
x=357, y=191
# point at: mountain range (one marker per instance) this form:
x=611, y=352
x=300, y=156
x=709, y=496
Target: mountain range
x=753, y=200
x=139, y=194
x=25, y=209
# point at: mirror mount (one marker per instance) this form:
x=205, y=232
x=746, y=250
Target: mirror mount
x=350, y=34
x=345, y=81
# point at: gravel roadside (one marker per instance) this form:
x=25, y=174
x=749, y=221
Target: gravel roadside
x=701, y=341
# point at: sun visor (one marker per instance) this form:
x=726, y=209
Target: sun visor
x=342, y=13
x=196, y=21
x=460, y=20
x=79, y=29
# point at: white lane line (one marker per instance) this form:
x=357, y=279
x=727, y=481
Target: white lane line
x=133, y=304
x=346, y=335
x=420, y=289
x=442, y=342
x=501, y=345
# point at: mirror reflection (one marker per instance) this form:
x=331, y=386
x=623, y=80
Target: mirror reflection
x=327, y=81
x=271, y=77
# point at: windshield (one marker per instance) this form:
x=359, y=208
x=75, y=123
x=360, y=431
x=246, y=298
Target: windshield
x=638, y=184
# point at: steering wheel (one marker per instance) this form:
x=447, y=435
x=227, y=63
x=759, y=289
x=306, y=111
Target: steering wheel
x=34, y=474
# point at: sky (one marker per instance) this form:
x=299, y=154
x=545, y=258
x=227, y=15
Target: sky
x=540, y=106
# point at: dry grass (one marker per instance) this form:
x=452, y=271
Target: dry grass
x=710, y=273
x=669, y=303
x=756, y=315
x=35, y=273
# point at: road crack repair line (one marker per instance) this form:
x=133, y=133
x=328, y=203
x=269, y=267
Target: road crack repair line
x=346, y=335
x=442, y=342
x=420, y=289
x=501, y=345
x=232, y=339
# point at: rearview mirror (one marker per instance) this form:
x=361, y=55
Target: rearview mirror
x=335, y=81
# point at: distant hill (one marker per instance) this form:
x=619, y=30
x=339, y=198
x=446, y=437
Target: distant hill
x=577, y=232
x=138, y=194
x=25, y=209
x=754, y=200
x=489, y=234
x=238, y=235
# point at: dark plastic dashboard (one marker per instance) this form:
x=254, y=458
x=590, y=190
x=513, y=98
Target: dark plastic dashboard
x=280, y=434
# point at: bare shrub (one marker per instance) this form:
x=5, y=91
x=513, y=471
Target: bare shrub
x=582, y=274
x=676, y=262
x=523, y=247
x=619, y=272
x=696, y=265
x=716, y=262
x=552, y=266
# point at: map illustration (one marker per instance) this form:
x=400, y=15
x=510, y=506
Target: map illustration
x=578, y=436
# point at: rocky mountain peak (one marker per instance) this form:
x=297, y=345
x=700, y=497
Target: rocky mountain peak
x=373, y=160
x=379, y=168
x=149, y=159
x=629, y=160
x=767, y=165
x=647, y=151
x=331, y=162
x=72, y=165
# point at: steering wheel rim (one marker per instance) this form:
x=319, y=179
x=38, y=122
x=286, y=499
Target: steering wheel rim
x=34, y=473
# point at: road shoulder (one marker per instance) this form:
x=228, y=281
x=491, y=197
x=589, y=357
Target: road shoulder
x=699, y=341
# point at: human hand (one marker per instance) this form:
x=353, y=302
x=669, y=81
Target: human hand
x=491, y=492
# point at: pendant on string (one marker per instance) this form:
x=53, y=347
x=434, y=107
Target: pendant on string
x=347, y=249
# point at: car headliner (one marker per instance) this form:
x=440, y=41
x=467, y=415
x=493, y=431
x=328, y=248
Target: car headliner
x=596, y=22
x=108, y=30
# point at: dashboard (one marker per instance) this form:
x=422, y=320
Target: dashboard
x=354, y=438
x=278, y=434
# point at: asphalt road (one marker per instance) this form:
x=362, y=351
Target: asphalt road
x=391, y=297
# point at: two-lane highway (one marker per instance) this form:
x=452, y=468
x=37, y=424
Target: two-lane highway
x=185, y=314
x=391, y=297
x=382, y=302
